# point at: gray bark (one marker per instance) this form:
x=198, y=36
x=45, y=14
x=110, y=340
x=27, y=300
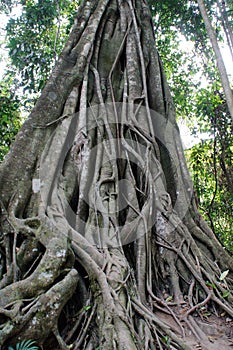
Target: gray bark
x=94, y=256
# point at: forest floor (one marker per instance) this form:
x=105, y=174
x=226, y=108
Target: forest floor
x=212, y=332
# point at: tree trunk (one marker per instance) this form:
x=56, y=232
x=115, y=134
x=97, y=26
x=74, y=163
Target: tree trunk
x=102, y=245
x=226, y=25
x=220, y=63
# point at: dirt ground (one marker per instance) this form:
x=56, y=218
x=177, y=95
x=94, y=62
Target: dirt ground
x=203, y=332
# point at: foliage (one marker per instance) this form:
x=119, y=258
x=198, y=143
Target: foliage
x=25, y=345
x=6, y=5
x=165, y=259
x=10, y=119
x=185, y=50
x=36, y=38
x=180, y=14
x=194, y=80
x=204, y=160
x=210, y=161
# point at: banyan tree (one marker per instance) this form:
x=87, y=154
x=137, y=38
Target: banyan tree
x=102, y=245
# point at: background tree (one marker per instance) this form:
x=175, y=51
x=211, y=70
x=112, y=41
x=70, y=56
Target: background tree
x=122, y=269
x=10, y=117
x=210, y=163
x=199, y=99
x=36, y=37
x=221, y=66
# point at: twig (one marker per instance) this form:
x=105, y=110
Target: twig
x=53, y=122
x=204, y=302
x=85, y=329
x=143, y=311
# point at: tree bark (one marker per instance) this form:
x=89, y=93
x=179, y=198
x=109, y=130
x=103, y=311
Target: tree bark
x=220, y=63
x=226, y=25
x=102, y=245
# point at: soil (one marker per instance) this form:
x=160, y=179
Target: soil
x=212, y=332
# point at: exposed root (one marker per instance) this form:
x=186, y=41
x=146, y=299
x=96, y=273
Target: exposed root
x=111, y=253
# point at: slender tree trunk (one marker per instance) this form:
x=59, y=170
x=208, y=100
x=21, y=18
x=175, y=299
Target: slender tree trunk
x=220, y=63
x=226, y=25
x=102, y=245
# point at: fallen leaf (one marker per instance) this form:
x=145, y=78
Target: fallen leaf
x=223, y=275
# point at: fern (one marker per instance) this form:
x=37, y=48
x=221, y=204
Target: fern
x=25, y=345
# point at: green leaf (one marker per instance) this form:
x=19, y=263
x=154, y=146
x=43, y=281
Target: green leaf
x=223, y=275
x=211, y=285
x=226, y=294
x=166, y=340
x=87, y=307
x=26, y=345
x=169, y=299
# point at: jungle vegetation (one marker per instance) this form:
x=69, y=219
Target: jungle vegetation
x=137, y=255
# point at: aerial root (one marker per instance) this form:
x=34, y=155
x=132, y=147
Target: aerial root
x=164, y=328
x=29, y=321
